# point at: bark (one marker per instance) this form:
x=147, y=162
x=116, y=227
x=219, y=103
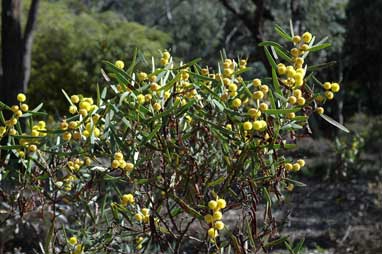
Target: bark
x=16, y=49
x=254, y=22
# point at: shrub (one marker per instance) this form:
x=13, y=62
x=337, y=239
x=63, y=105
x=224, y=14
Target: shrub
x=154, y=157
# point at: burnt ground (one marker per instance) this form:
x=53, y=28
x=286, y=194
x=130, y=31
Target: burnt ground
x=336, y=216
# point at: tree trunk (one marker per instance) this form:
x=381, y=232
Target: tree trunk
x=254, y=21
x=16, y=49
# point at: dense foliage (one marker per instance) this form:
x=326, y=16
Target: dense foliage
x=70, y=45
x=155, y=160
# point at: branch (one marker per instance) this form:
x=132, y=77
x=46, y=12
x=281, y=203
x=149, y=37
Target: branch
x=31, y=22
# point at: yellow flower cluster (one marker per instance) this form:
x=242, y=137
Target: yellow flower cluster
x=119, y=163
x=76, y=164
x=139, y=241
x=295, y=166
x=127, y=199
x=84, y=104
x=330, y=89
x=143, y=215
x=165, y=58
x=77, y=248
x=17, y=111
x=215, y=218
x=76, y=130
x=68, y=182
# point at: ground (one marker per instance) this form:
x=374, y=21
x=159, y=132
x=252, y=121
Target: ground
x=336, y=216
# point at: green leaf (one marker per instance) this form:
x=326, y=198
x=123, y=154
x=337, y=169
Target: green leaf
x=281, y=53
x=269, y=43
x=321, y=66
x=335, y=123
x=276, y=242
x=282, y=33
x=319, y=47
x=216, y=182
x=270, y=58
x=289, y=247
x=281, y=111
x=296, y=183
x=3, y=105
x=67, y=97
x=275, y=81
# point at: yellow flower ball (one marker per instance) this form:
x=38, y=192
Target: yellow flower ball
x=115, y=164
x=163, y=61
x=294, y=52
x=212, y=204
x=296, y=167
x=128, y=199
x=145, y=211
x=141, y=98
x=64, y=125
x=75, y=99
x=329, y=95
x=119, y=64
x=301, y=101
x=254, y=112
x=32, y=148
x=12, y=132
x=263, y=106
x=236, y=103
x=256, y=82
x=142, y=76
x=296, y=39
x=212, y=233
x=138, y=217
x=221, y=203
x=304, y=47
x=72, y=109
x=21, y=97
x=297, y=93
x=281, y=69
x=335, y=87
x=327, y=85
x=259, y=125
x=129, y=167
x=288, y=166
x=320, y=110
x=217, y=215
x=154, y=87
x=258, y=95
x=67, y=136
x=291, y=115
x=292, y=100
x=247, y=126
x=232, y=87
x=219, y=225
x=157, y=106
x=301, y=162
x=264, y=89
x=307, y=37
x=118, y=156
x=299, y=61
x=208, y=218
x=166, y=55
x=73, y=240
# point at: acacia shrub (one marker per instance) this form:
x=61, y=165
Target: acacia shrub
x=152, y=155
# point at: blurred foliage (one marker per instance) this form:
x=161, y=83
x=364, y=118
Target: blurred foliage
x=70, y=45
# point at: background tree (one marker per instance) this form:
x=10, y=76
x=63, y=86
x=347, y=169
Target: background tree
x=72, y=42
x=364, y=57
x=16, y=48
